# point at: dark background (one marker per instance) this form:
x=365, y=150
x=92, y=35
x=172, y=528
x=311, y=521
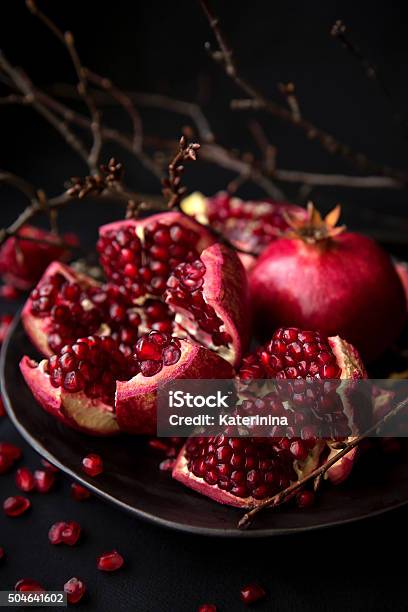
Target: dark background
x=158, y=47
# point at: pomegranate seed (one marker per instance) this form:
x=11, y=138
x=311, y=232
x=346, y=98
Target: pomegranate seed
x=207, y=608
x=252, y=593
x=157, y=444
x=44, y=480
x=75, y=590
x=48, y=466
x=10, y=450
x=2, y=409
x=65, y=533
x=25, y=479
x=92, y=465
x=167, y=465
x=110, y=561
x=5, y=463
x=27, y=584
x=8, y=292
x=305, y=499
x=2, y=553
x=5, y=322
x=79, y=493
x=15, y=506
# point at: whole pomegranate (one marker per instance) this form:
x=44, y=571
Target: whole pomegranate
x=23, y=259
x=242, y=471
x=321, y=277
x=249, y=225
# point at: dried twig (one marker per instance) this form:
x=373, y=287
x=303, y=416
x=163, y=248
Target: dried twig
x=288, y=90
x=283, y=496
x=258, y=101
x=173, y=190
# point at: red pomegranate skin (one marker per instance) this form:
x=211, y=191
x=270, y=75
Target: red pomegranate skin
x=346, y=285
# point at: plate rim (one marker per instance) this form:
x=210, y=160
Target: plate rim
x=230, y=532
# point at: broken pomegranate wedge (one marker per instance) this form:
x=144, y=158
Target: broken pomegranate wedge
x=181, y=279
x=242, y=471
x=92, y=386
x=250, y=225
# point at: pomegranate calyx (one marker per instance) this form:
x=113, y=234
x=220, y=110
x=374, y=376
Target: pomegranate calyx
x=314, y=228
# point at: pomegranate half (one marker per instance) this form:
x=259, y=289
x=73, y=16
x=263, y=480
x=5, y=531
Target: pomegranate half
x=242, y=471
x=324, y=278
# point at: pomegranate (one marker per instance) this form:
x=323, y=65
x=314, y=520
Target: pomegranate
x=78, y=384
x=251, y=593
x=110, y=561
x=242, y=471
x=15, y=506
x=402, y=270
x=23, y=261
x=323, y=278
x=249, y=225
x=75, y=590
x=92, y=465
x=172, y=268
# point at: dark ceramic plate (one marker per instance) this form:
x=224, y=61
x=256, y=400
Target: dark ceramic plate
x=132, y=481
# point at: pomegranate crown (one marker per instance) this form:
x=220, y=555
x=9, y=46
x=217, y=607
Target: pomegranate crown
x=314, y=228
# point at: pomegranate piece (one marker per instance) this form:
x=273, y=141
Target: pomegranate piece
x=249, y=225
x=25, y=480
x=252, y=593
x=92, y=465
x=110, y=561
x=65, y=533
x=5, y=322
x=44, y=480
x=173, y=359
x=23, y=261
x=305, y=499
x=79, y=493
x=178, y=261
x=207, y=608
x=335, y=278
x=75, y=590
x=242, y=471
x=27, y=584
x=16, y=505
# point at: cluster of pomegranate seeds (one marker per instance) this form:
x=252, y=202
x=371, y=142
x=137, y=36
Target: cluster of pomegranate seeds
x=16, y=505
x=79, y=493
x=291, y=354
x=75, y=590
x=92, y=465
x=27, y=584
x=91, y=365
x=155, y=350
x=64, y=533
x=110, y=561
x=68, y=305
x=144, y=268
x=256, y=467
x=25, y=480
x=184, y=291
x=251, y=593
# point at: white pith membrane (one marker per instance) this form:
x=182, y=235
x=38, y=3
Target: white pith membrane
x=321, y=451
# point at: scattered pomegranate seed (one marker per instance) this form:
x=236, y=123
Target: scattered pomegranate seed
x=79, y=493
x=252, y=593
x=25, y=480
x=2, y=553
x=8, y=292
x=49, y=466
x=157, y=444
x=207, y=608
x=64, y=533
x=167, y=465
x=44, y=480
x=110, y=561
x=10, y=450
x=27, y=584
x=75, y=590
x=2, y=409
x=5, y=463
x=15, y=506
x=92, y=465
x=305, y=499
x=5, y=322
